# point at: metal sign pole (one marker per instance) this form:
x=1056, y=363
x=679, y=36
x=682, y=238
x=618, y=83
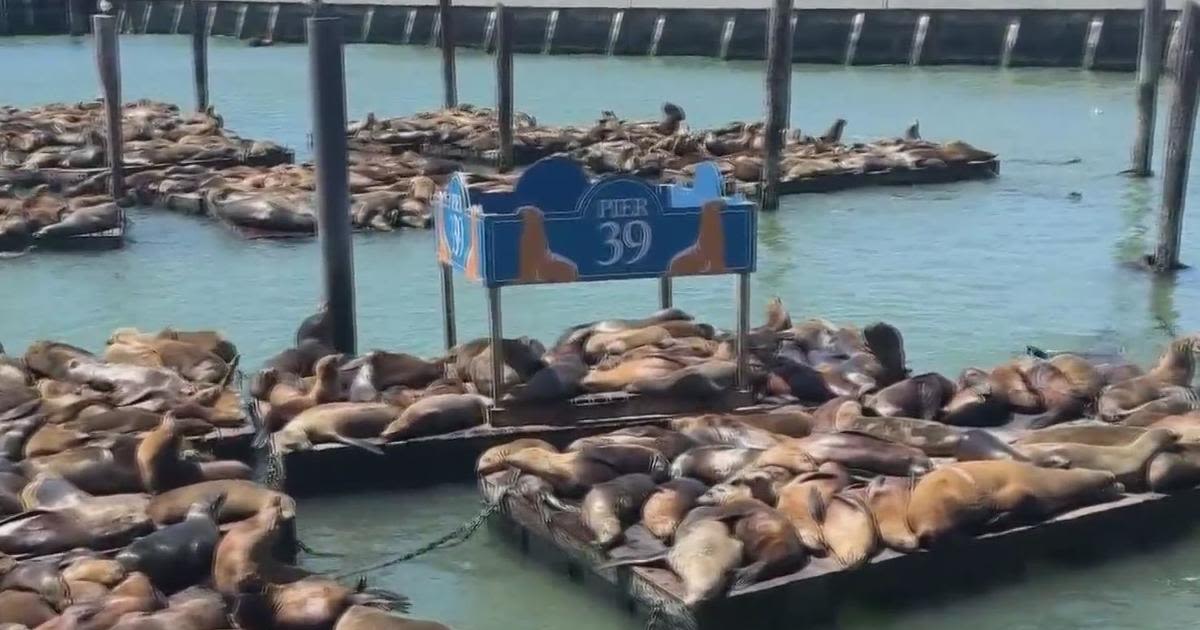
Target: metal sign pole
x=743, y=328
x=448, y=306
x=664, y=292
x=497, y=342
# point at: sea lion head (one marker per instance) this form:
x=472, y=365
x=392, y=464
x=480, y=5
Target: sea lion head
x=723, y=493
x=263, y=382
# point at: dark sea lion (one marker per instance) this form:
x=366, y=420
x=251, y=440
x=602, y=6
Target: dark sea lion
x=200, y=606
x=1174, y=470
x=86, y=220
x=609, y=507
x=435, y=415
x=300, y=359
x=242, y=499
x=888, y=499
x=41, y=577
x=123, y=420
x=974, y=405
x=473, y=360
x=493, y=459
x=348, y=423
x=1128, y=463
x=713, y=464
x=965, y=495
x=982, y=445
x=921, y=396
x=666, y=507
x=803, y=501
x=326, y=388
x=770, y=544
x=615, y=325
x=370, y=618
x=1175, y=368
x=397, y=368
x=561, y=379
x=849, y=529
x=864, y=452
x=180, y=554
x=930, y=437
x=25, y=609
x=802, y=380
x=96, y=470
x=41, y=532
x=1096, y=434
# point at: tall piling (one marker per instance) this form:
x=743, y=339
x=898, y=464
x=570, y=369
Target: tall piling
x=1149, y=69
x=108, y=62
x=779, y=85
x=76, y=24
x=449, y=81
x=1181, y=122
x=327, y=87
x=504, y=87
x=199, y=55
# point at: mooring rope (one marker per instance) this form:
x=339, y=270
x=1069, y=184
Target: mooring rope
x=457, y=536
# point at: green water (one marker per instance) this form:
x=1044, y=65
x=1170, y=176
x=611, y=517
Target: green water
x=969, y=272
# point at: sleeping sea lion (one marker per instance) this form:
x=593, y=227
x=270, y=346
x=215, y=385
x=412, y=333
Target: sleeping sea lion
x=345, y=422
x=864, y=452
x=929, y=436
x=666, y=507
x=609, y=507
x=242, y=499
x=1175, y=368
x=370, y=618
x=888, y=499
x=437, y=414
x=1096, y=434
x=713, y=464
x=849, y=530
x=493, y=459
x=803, y=501
x=921, y=396
x=1128, y=463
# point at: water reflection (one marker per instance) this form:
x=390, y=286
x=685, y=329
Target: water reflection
x=1136, y=200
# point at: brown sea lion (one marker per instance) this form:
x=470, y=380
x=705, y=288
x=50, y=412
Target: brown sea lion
x=888, y=499
x=599, y=345
x=703, y=556
x=665, y=508
x=1081, y=373
x=25, y=609
x=438, y=414
x=1007, y=382
x=52, y=438
x=609, y=507
x=770, y=544
x=728, y=430
x=326, y=388
x=1178, y=401
x=627, y=372
x=849, y=530
x=1175, y=368
x=162, y=467
x=98, y=570
x=41, y=577
x=243, y=499
x=864, y=452
x=1062, y=399
x=345, y=422
x=95, y=469
x=245, y=552
x=493, y=459
x=1128, y=463
x=310, y=602
x=713, y=464
x=803, y=501
x=1175, y=470
x=930, y=437
x=208, y=340
x=1186, y=426
x=921, y=396
x=778, y=319
x=788, y=455
x=670, y=443
x=964, y=495
x=707, y=379
x=370, y=618
x=571, y=474
x=1096, y=434
x=825, y=416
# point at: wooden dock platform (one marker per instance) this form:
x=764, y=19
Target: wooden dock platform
x=813, y=595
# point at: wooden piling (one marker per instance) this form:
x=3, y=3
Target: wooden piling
x=108, y=62
x=327, y=87
x=75, y=25
x=779, y=85
x=1149, y=69
x=1181, y=122
x=504, y=87
x=449, y=82
x=199, y=55
x=496, y=336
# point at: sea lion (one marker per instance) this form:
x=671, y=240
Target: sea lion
x=180, y=554
x=438, y=414
x=930, y=437
x=705, y=380
x=1175, y=367
x=921, y=396
x=1007, y=382
x=665, y=508
x=803, y=501
x=982, y=445
x=703, y=556
x=537, y=262
x=771, y=545
x=161, y=465
x=201, y=606
x=242, y=499
x=715, y=429
x=493, y=459
x=326, y=388
x=713, y=464
x=627, y=372
x=391, y=369
x=572, y=473
x=849, y=530
x=208, y=340
x=25, y=609
x=670, y=443
x=370, y=618
x=866, y=453
x=298, y=360
x=1095, y=434
x=101, y=571
x=310, y=602
x=609, y=507
x=51, y=438
x=348, y=423
x=85, y=220
x=561, y=379
x=38, y=576
x=888, y=499
x=600, y=344
x=50, y=358
x=245, y=551
x=1174, y=470
x=965, y=495
x=95, y=469
x=1128, y=463
x=707, y=254
x=1186, y=426
x=788, y=455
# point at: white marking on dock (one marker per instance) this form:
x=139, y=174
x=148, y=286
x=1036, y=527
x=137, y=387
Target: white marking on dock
x=1010, y=42
x=409, y=23
x=368, y=18
x=551, y=26
x=436, y=32
x=146, y=17
x=727, y=35
x=240, y=25
x=614, y=32
x=178, y=17
x=1095, y=28
x=659, y=26
x=210, y=19
x=856, y=27
x=272, y=21
x=918, y=42
x=490, y=30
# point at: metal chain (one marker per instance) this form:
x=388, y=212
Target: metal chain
x=655, y=620
x=458, y=536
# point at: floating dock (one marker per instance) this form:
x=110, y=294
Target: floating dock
x=1087, y=34
x=813, y=595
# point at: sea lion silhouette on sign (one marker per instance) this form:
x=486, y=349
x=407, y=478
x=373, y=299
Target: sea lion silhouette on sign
x=537, y=263
x=471, y=267
x=707, y=255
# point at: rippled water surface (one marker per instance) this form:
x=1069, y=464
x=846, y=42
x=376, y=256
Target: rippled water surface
x=969, y=272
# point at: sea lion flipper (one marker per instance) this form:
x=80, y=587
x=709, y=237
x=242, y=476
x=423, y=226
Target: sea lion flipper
x=747, y=575
x=360, y=443
x=633, y=561
x=816, y=505
x=558, y=504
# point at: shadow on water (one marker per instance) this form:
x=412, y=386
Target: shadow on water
x=773, y=239
x=1137, y=198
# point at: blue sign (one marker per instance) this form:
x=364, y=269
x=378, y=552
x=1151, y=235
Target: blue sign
x=556, y=226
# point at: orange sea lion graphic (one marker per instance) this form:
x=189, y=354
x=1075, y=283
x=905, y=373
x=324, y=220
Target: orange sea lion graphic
x=537, y=263
x=443, y=248
x=471, y=268
x=707, y=255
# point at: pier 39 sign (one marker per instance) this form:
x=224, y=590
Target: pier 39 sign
x=556, y=226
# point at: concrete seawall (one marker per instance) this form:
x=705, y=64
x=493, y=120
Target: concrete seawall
x=1064, y=33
